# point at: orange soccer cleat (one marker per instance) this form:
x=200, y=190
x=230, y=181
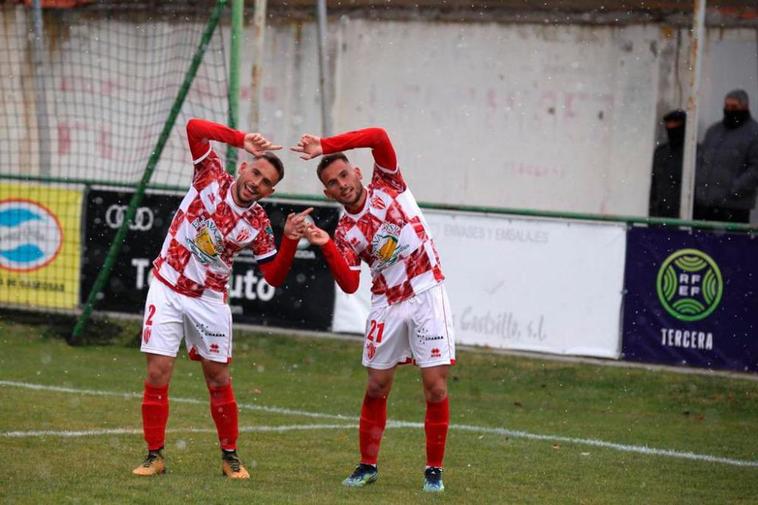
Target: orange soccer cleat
x=153, y=465
x=232, y=466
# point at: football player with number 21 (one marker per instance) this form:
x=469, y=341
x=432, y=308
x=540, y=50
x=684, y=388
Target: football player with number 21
x=410, y=319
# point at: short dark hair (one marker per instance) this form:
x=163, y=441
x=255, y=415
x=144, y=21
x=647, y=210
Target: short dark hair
x=328, y=160
x=275, y=161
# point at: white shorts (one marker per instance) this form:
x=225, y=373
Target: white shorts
x=418, y=330
x=204, y=322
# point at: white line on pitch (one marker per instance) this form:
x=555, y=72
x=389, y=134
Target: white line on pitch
x=403, y=424
x=132, y=431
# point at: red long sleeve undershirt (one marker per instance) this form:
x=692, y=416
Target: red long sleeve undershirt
x=374, y=138
x=348, y=280
x=200, y=132
x=276, y=270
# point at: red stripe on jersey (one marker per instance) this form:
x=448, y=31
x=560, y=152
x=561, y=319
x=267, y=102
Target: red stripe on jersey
x=391, y=183
x=417, y=263
x=368, y=224
x=177, y=255
x=252, y=216
x=206, y=172
x=397, y=294
x=224, y=218
x=395, y=215
x=438, y=275
x=418, y=227
x=225, y=185
x=215, y=282
x=157, y=264
x=195, y=210
x=176, y=222
x=379, y=285
x=187, y=286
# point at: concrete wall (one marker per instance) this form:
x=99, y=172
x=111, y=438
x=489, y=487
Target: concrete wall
x=552, y=117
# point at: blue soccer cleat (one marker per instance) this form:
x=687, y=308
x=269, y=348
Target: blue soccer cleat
x=362, y=476
x=433, y=480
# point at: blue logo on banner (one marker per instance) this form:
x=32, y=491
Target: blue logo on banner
x=30, y=235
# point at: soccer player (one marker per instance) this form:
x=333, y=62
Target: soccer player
x=218, y=217
x=410, y=318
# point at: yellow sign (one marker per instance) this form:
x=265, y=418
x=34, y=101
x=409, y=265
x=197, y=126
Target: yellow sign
x=40, y=228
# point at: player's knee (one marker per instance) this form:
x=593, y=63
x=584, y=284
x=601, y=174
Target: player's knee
x=218, y=381
x=158, y=376
x=216, y=376
x=435, y=392
x=378, y=389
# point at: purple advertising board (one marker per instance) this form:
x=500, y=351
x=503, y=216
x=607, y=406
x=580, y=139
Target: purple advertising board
x=691, y=298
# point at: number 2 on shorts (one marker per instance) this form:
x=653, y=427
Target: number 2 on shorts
x=151, y=313
x=379, y=327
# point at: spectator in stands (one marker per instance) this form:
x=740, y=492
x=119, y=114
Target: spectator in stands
x=727, y=170
x=666, y=185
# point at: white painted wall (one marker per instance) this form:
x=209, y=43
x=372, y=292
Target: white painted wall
x=520, y=116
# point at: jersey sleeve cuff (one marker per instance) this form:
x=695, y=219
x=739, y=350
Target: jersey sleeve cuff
x=263, y=258
x=387, y=170
x=201, y=158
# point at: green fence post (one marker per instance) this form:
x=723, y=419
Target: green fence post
x=238, y=9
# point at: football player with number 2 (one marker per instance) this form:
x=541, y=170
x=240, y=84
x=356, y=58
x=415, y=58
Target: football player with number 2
x=218, y=217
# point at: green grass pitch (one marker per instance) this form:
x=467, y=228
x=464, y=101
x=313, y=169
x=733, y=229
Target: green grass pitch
x=524, y=430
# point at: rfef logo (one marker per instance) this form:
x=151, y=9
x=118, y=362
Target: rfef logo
x=689, y=285
x=30, y=235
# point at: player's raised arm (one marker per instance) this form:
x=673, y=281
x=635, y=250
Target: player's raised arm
x=347, y=276
x=375, y=139
x=200, y=132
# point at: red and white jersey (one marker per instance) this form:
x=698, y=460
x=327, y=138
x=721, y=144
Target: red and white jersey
x=389, y=233
x=209, y=229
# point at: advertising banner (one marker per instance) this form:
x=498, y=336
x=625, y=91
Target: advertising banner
x=306, y=300
x=39, y=246
x=525, y=284
x=691, y=299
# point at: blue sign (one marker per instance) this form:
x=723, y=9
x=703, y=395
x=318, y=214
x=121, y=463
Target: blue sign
x=691, y=298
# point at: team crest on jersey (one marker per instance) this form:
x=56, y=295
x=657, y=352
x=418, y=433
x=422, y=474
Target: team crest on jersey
x=386, y=244
x=243, y=236
x=378, y=203
x=207, y=243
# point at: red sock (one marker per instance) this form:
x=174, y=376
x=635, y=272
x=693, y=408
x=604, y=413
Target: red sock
x=435, y=426
x=224, y=412
x=155, y=415
x=371, y=427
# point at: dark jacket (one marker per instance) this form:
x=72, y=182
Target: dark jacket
x=727, y=168
x=666, y=185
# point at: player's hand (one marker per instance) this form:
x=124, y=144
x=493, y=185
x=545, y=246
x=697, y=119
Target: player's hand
x=297, y=224
x=316, y=235
x=309, y=145
x=256, y=144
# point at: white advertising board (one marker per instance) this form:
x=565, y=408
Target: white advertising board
x=523, y=284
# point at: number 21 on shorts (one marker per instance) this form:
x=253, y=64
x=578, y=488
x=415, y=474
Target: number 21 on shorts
x=375, y=332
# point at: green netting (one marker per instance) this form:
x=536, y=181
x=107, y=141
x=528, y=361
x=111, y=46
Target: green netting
x=87, y=101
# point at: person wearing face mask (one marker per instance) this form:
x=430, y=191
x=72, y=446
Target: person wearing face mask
x=666, y=184
x=726, y=178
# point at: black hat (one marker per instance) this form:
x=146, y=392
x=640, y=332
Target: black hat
x=675, y=115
